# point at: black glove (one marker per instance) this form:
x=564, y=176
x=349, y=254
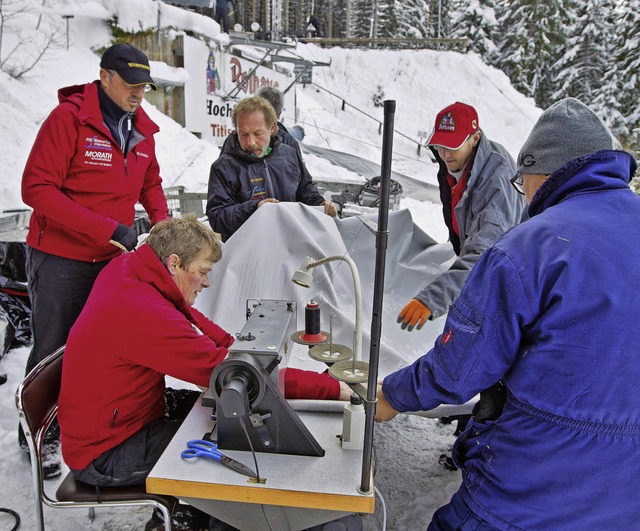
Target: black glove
x=124, y=237
x=491, y=403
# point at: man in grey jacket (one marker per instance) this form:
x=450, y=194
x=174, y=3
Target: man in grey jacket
x=478, y=204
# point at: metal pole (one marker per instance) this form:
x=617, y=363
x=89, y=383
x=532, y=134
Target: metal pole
x=382, y=236
x=158, y=39
x=67, y=17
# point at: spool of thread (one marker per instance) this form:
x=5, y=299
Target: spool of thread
x=312, y=318
x=312, y=333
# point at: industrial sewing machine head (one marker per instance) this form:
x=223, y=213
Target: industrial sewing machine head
x=246, y=389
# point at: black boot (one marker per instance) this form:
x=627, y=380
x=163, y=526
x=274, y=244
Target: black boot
x=51, y=462
x=183, y=518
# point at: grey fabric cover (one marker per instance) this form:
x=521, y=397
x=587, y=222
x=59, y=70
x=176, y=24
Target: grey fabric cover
x=260, y=258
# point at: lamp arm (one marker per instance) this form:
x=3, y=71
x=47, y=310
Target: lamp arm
x=357, y=340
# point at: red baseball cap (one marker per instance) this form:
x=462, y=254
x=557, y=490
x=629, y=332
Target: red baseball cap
x=453, y=126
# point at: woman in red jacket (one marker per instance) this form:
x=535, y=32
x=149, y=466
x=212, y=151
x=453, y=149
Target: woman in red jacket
x=137, y=326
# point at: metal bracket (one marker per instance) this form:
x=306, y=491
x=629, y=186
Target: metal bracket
x=262, y=431
x=370, y=224
x=361, y=391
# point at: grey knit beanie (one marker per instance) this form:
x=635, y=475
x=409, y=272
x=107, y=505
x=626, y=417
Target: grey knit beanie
x=566, y=130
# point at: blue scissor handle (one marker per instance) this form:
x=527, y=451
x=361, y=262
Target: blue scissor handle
x=200, y=448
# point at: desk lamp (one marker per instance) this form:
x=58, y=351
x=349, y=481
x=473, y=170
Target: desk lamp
x=354, y=371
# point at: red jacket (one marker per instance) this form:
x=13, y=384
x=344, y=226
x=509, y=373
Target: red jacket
x=136, y=328
x=80, y=186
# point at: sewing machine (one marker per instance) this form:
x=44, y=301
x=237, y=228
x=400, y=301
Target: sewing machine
x=247, y=390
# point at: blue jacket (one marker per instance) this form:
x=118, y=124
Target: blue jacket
x=239, y=181
x=552, y=309
x=488, y=207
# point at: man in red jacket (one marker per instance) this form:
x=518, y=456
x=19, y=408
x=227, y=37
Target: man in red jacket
x=137, y=326
x=92, y=161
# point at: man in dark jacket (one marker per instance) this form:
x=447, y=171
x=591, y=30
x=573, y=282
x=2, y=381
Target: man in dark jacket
x=276, y=98
x=258, y=169
x=92, y=161
x=478, y=204
x=551, y=310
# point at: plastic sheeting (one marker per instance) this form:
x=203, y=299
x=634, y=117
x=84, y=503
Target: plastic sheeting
x=260, y=258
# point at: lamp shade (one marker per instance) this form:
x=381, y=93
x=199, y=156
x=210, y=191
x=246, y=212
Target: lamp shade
x=303, y=276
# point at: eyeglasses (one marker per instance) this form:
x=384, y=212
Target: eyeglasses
x=145, y=88
x=516, y=182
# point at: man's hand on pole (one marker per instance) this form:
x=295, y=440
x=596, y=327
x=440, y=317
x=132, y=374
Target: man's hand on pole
x=414, y=313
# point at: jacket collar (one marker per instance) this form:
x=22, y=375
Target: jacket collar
x=85, y=97
x=602, y=170
x=149, y=269
x=235, y=149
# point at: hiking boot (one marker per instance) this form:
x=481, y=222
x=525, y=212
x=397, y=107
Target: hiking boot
x=183, y=518
x=447, y=462
x=51, y=462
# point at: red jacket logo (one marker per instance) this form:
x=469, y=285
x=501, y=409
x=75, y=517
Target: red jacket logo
x=446, y=337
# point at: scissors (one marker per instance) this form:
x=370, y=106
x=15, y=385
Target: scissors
x=201, y=448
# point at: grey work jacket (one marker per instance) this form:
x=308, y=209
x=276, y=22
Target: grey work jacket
x=488, y=207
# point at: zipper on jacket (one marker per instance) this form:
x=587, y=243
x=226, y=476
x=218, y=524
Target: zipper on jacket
x=268, y=187
x=124, y=140
x=121, y=139
x=115, y=414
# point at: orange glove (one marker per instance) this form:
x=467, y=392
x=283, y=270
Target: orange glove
x=414, y=313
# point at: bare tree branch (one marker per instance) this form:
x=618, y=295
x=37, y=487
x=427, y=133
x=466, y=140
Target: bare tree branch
x=31, y=45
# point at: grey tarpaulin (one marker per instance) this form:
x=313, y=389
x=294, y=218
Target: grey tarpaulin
x=260, y=258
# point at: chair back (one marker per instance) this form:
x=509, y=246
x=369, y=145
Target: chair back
x=37, y=404
x=37, y=396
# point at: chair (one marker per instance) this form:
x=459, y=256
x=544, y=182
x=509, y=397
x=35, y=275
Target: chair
x=37, y=404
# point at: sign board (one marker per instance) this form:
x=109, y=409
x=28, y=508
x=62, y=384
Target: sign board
x=303, y=73
x=218, y=81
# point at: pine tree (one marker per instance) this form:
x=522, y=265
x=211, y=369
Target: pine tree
x=414, y=19
x=627, y=80
x=389, y=19
x=587, y=54
x=476, y=21
x=338, y=19
x=361, y=18
x=534, y=34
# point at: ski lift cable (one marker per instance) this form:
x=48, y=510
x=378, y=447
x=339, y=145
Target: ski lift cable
x=395, y=154
x=505, y=95
x=379, y=122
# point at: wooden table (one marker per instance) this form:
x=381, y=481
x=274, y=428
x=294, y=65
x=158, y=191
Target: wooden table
x=298, y=492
